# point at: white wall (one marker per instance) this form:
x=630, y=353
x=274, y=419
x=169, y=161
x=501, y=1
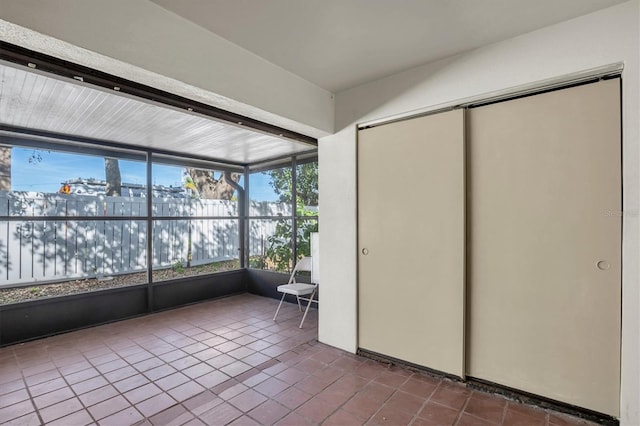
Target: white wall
x=150, y=44
x=591, y=41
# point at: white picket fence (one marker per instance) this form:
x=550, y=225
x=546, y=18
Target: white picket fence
x=39, y=250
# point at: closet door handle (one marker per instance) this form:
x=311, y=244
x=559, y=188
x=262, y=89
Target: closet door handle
x=365, y=251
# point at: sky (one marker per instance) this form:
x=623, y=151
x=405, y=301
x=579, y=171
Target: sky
x=47, y=174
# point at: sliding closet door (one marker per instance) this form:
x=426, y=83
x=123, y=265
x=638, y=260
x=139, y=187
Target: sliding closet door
x=545, y=245
x=411, y=240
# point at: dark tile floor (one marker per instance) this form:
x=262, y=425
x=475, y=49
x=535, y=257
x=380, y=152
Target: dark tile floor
x=226, y=362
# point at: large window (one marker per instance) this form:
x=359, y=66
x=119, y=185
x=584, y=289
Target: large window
x=197, y=230
x=77, y=218
x=284, y=204
x=73, y=220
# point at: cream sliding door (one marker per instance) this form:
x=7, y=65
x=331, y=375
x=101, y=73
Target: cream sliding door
x=411, y=240
x=545, y=237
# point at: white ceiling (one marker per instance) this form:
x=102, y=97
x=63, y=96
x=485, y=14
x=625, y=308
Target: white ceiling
x=338, y=44
x=35, y=101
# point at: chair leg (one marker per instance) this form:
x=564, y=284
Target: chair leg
x=278, y=310
x=306, y=311
x=299, y=305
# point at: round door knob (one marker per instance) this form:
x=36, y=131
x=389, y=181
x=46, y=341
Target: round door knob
x=603, y=265
x=365, y=251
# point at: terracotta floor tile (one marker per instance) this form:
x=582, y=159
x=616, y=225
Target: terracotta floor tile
x=259, y=345
x=141, y=393
x=212, y=379
x=194, y=422
x=247, y=375
x=438, y=414
x=403, y=401
x=236, y=368
x=173, y=355
x=369, y=370
x=16, y=410
x=207, y=354
x=469, y=420
x=19, y=396
x=127, y=416
x=221, y=361
x=214, y=341
x=342, y=418
x=111, y=366
x=169, y=415
x=271, y=387
x=418, y=387
x=121, y=373
x=292, y=398
x=391, y=379
x=148, y=364
x=98, y=395
x=244, y=421
x=109, y=407
x=197, y=370
x=60, y=409
x=186, y=391
x=559, y=419
x=292, y=375
x=232, y=391
x=172, y=381
x=256, y=379
x=241, y=352
x=274, y=367
x=81, y=376
x=74, y=367
x=202, y=402
x=96, y=351
x=274, y=351
x=451, y=395
x=42, y=377
x=103, y=359
x=349, y=383
x=222, y=414
x=377, y=392
x=184, y=362
x=226, y=361
x=245, y=339
x=317, y=409
x=347, y=363
x=387, y=415
x=155, y=404
x=487, y=407
x=224, y=386
x=327, y=356
x=361, y=406
x=41, y=367
x=520, y=414
x=161, y=349
x=79, y=418
x=12, y=386
x=89, y=385
x=269, y=413
x=227, y=346
x=131, y=383
x=247, y=400
x=159, y=372
x=314, y=384
x=294, y=419
x=138, y=357
x=195, y=348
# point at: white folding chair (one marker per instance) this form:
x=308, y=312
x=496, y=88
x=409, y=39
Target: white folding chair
x=298, y=289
